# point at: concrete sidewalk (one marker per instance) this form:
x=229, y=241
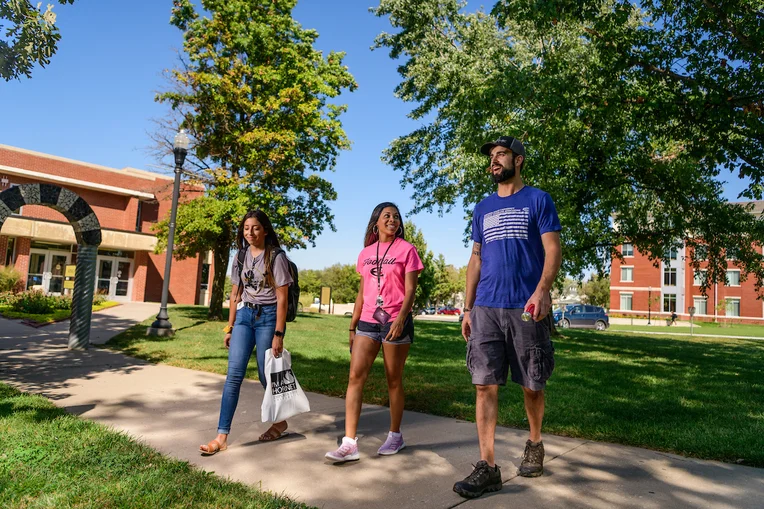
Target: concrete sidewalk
x=175, y=410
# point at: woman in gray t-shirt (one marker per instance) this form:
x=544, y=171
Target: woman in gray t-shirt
x=256, y=319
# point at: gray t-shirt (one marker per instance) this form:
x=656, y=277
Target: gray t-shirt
x=256, y=290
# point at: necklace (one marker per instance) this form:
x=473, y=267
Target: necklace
x=380, y=301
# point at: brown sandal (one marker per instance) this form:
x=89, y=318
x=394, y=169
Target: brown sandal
x=213, y=448
x=273, y=434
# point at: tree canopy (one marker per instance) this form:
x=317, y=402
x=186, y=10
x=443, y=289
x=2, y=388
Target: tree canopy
x=628, y=112
x=254, y=95
x=30, y=37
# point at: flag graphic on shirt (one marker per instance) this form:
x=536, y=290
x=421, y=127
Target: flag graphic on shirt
x=509, y=223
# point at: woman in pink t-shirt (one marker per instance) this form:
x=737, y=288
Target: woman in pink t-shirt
x=389, y=268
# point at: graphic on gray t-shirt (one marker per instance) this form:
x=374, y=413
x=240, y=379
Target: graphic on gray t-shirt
x=256, y=289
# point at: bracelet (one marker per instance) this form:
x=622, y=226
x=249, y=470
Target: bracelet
x=351, y=330
x=466, y=310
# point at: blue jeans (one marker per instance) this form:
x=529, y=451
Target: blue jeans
x=249, y=332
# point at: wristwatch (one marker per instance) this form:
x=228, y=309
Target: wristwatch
x=227, y=329
x=278, y=333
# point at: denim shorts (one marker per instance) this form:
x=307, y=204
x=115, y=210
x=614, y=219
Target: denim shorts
x=378, y=331
x=501, y=342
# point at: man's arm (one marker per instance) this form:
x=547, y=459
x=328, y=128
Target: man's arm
x=541, y=298
x=473, y=276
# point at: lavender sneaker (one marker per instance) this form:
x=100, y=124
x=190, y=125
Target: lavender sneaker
x=348, y=451
x=392, y=445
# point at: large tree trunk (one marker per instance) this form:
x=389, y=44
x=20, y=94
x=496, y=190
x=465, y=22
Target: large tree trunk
x=220, y=254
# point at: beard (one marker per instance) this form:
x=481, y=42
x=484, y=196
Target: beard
x=505, y=175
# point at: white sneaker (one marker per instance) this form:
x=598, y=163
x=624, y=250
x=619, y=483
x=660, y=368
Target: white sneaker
x=348, y=451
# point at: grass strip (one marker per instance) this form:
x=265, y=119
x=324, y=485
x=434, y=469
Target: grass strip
x=49, y=458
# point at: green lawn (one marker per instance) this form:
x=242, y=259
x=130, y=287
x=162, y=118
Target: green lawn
x=701, y=397
x=717, y=329
x=54, y=316
x=49, y=458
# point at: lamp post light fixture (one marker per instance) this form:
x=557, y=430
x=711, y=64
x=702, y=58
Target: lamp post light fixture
x=649, y=302
x=162, y=325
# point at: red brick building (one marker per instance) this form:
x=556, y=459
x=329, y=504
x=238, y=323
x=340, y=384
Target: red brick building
x=674, y=286
x=39, y=242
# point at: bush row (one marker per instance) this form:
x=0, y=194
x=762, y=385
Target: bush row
x=37, y=303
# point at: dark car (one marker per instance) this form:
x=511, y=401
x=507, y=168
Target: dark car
x=582, y=316
x=430, y=310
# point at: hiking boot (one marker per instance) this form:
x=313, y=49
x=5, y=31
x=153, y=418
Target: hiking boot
x=482, y=479
x=533, y=460
x=392, y=445
x=348, y=451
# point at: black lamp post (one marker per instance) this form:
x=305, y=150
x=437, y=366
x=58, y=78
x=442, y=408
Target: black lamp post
x=162, y=325
x=649, y=302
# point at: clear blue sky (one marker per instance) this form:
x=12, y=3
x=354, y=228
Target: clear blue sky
x=94, y=103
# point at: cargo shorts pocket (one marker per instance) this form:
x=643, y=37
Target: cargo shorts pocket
x=542, y=363
x=468, y=357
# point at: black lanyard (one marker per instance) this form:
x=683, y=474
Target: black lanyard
x=379, y=265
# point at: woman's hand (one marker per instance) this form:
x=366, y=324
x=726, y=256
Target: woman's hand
x=396, y=328
x=227, y=340
x=350, y=341
x=277, y=345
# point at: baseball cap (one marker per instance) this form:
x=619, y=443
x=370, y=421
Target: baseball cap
x=509, y=142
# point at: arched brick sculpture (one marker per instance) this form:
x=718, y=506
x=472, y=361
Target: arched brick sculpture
x=87, y=229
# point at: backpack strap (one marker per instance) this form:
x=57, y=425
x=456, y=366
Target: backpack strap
x=241, y=256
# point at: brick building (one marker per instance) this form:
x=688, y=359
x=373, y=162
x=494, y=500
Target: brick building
x=39, y=242
x=674, y=286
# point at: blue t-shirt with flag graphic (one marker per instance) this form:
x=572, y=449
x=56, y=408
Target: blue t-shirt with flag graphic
x=509, y=230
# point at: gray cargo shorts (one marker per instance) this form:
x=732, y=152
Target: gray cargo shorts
x=501, y=342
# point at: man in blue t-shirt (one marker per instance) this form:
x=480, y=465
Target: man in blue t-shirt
x=515, y=259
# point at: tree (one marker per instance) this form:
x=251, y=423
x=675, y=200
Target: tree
x=628, y=112
x=426, y=282
x=253, y=93
x=344, y=281
x=596, y=291
x=447, y=283
x=31, y=39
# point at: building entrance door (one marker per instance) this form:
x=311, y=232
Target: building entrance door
x=113, y=281
x=46, y=270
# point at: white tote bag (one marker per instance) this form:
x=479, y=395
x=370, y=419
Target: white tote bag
x=283, y=395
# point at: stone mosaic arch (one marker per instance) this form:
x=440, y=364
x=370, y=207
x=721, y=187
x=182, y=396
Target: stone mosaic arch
x=87, y=230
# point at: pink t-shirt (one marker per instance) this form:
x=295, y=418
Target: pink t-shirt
x=401, y=258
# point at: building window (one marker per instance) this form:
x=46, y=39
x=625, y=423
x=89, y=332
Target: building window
x=700, y=278
x=701, y=252
x=733, y=307
x=732, y=253
x=628, y=249
x=671, y=253
x=10, y=260
x=733, y=277
x=700, y=305
x=627, y=274
x=626, y=301
x=205, y=276
x=138, y=216
x=669, y=277
x=669, y=303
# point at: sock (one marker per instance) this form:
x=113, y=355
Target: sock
x=394, y=434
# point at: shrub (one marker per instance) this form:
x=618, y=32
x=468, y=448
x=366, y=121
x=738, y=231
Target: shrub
x=34, y=302
x=98, y=299
x=11, y=280
x=7, y=298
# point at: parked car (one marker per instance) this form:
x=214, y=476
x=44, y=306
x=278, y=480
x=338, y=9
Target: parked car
x=427, y=311
x=581, y=316
x=448, y=310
